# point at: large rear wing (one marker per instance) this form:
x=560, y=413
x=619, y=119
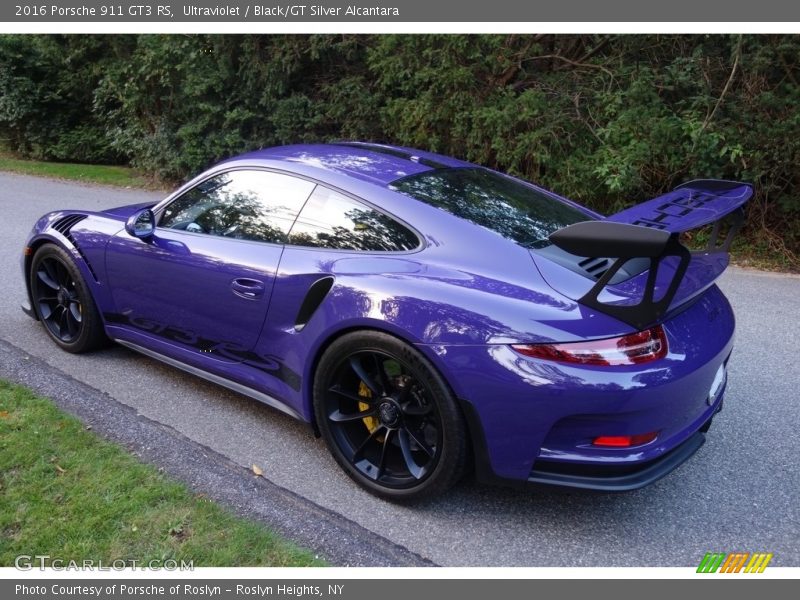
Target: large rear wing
x=688, y=206
x=651, y=231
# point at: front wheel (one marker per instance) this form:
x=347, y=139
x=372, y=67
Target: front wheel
x=63, y=302
x=388, y=417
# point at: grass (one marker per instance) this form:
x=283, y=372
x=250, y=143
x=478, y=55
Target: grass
x=69, y=494
x=760, y=254
x=102, y=174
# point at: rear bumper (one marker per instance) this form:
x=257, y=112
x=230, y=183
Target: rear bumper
x=619, y=477
x=534, y=421
x=615, y=478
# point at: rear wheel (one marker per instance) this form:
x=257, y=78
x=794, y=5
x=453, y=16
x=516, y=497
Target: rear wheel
x=62, y=301
x=388, y=417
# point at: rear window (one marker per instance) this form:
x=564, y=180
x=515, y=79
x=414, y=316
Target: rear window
x=514, y=210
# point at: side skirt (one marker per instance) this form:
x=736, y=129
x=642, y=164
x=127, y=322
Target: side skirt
x=227, y=383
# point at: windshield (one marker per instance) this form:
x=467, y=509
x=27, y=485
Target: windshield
x=514, y=210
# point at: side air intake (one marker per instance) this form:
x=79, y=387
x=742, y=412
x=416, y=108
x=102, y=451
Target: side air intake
x=314, y=297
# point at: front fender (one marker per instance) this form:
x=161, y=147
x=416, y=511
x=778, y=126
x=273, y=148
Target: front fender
x=84, y=236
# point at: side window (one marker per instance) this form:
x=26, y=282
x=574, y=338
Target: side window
x=249, y=205
x=332, y=220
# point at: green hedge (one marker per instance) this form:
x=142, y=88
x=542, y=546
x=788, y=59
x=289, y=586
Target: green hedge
x=606, y=119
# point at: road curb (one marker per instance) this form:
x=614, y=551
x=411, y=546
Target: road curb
x=333, y=537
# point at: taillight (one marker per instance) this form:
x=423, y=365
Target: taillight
x=632, y=349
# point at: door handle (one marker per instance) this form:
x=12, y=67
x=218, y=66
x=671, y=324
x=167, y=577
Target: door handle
x=250, y=289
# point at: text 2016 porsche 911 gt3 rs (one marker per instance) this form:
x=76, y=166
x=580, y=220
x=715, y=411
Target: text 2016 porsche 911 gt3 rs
x=422, y=313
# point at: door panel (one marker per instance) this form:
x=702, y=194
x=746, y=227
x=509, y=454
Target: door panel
x=198, y=291
x=204, y=280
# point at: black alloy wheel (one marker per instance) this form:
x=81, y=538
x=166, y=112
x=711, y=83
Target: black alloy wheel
x=388, y=417
x=63, y=302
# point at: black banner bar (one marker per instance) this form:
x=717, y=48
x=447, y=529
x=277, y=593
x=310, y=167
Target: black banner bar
x=397, y=11
x=370, y=589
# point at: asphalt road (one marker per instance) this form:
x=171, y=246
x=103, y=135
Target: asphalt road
x=739, y=493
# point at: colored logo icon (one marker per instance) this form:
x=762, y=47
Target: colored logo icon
x=735, y=562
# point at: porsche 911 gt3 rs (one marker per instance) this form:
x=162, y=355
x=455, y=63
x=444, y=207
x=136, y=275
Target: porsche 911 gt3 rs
x=425, y=315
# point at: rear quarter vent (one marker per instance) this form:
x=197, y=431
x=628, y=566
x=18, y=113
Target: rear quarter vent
x=314, y=297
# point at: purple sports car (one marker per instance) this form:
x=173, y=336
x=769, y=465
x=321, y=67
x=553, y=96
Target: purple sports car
x=425, y=315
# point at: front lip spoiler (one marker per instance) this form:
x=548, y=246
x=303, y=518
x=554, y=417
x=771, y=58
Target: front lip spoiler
x=28, y=310
x=608, y=478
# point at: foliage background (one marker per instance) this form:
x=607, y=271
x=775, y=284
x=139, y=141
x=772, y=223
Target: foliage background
x=608, y=120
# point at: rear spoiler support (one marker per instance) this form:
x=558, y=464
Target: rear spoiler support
x=624, y=242
x=736, y=222
x=652, y=230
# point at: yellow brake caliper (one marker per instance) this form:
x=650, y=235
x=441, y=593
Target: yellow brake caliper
x=364, y=392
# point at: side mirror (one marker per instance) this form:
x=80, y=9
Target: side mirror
x=141, y=224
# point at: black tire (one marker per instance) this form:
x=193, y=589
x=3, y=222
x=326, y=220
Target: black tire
x=389, y=418
x=63, y=302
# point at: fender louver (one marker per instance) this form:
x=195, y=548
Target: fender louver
x=64, y=226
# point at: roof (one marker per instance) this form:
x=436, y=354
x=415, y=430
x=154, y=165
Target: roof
x=374, y=163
